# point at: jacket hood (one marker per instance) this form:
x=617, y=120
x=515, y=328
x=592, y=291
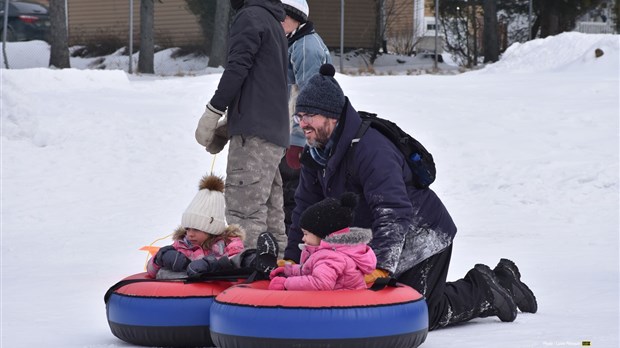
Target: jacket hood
x=355, y=235
x=353, y=244
x=274, y=7
x=233, y=230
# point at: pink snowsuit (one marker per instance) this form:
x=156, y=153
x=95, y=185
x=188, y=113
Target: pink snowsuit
x=338, y=263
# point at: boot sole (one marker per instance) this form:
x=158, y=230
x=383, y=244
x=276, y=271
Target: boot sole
x=518, y=289
x=266, y=245
x=266, y=253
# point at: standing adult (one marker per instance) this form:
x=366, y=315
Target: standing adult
x=412, y=229
x=253, y=92
x=306, y=53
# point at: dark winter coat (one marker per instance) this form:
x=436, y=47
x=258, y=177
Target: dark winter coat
x=254, y=84
x=408, y=224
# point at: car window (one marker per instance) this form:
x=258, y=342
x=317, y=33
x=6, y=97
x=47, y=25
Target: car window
x=25, y=7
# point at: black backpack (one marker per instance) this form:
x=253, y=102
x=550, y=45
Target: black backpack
x=418, y=158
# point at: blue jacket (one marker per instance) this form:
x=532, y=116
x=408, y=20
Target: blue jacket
x=408, y=224
x=306, y=53
x=253, y=86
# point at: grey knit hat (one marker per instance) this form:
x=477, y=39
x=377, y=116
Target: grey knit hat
x=322, y=94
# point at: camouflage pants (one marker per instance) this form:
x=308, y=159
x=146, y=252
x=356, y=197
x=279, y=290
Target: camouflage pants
x=254, y=189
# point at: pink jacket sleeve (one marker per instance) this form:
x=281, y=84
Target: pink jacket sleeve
x=324, y=275
x=234, y=247
x=152, y=268
x=292, y=270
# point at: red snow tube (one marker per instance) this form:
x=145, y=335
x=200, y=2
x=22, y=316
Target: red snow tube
x=170, y=313
x=251, y=316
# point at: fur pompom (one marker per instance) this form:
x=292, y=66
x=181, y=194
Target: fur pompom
x=211, y=183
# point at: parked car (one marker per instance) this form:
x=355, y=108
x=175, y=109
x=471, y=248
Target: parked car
x=26, y=21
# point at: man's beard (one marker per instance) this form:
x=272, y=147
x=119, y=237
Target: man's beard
x=321, y=137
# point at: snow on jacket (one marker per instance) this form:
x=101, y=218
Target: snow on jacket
x=408, y=224
x=306, y=53
x=229, y=247
x=253, y=86
x=338, y=263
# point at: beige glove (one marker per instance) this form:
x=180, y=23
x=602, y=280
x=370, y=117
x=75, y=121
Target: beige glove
x=207, y=124
x=220, y=137
x=377, y=273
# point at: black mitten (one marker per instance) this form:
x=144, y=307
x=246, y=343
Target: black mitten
x=207, y=264
x=171, y=259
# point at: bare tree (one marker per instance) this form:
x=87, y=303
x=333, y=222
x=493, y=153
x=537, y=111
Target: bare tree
x=205, y=11
x=386, y=10
x=219, y=46
x=490, y=39
x=59, y=50
x=147, y=41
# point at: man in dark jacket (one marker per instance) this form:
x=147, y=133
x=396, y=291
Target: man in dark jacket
x=253, y=90
x=412, y=229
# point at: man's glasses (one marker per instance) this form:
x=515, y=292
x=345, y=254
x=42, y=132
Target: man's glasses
x=306, y=117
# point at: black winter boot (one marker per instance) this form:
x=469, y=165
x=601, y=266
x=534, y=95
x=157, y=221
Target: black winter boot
x=266, y=253
x=502, y=304
x=510, y=278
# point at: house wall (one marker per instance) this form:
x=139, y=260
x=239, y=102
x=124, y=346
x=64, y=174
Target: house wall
x=93, y=20
x=360, y=22
x=402, y=16
x=96, y=20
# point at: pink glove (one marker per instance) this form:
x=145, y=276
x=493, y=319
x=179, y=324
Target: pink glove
x=278, y=272
x=277, y=283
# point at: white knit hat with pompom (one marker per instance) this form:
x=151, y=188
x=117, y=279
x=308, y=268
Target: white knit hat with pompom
x=207, y=211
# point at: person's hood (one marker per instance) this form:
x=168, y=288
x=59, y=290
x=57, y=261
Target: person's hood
x=354, y=245
x=233, y=230
x=273, y=6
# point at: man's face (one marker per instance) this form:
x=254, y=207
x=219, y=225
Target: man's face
x=317, y=129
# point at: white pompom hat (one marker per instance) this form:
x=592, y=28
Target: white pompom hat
x=206, y=212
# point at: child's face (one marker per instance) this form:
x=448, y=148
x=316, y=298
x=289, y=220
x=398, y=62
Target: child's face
x=310, y=239
x=196, y=237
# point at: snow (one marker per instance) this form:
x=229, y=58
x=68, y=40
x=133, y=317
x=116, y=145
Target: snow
x=98, y=163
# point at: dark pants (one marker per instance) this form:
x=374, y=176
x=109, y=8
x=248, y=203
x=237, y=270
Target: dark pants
x=448, y=302
x=290, y=180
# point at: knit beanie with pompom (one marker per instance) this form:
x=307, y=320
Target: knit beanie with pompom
x=206, y=212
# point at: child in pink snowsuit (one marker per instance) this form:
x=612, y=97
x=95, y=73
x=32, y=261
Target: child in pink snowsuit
x=334, y=256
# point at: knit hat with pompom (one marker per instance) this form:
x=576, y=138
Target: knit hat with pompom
x=329, y=215
x=207, y=211
x=322, y=94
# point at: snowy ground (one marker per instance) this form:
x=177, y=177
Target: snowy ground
x=97, y=163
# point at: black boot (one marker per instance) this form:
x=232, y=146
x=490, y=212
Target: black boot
x=501, y=302
x=510, y=278
x=266, y=253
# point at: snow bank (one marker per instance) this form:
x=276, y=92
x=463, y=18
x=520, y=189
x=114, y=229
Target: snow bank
x=562, y=53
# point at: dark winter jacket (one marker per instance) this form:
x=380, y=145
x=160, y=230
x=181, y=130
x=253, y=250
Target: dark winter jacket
x=408, y=224
x=253, y=86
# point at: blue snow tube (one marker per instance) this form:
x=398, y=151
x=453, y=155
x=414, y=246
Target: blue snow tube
x=150, y=312
x=251, y=316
